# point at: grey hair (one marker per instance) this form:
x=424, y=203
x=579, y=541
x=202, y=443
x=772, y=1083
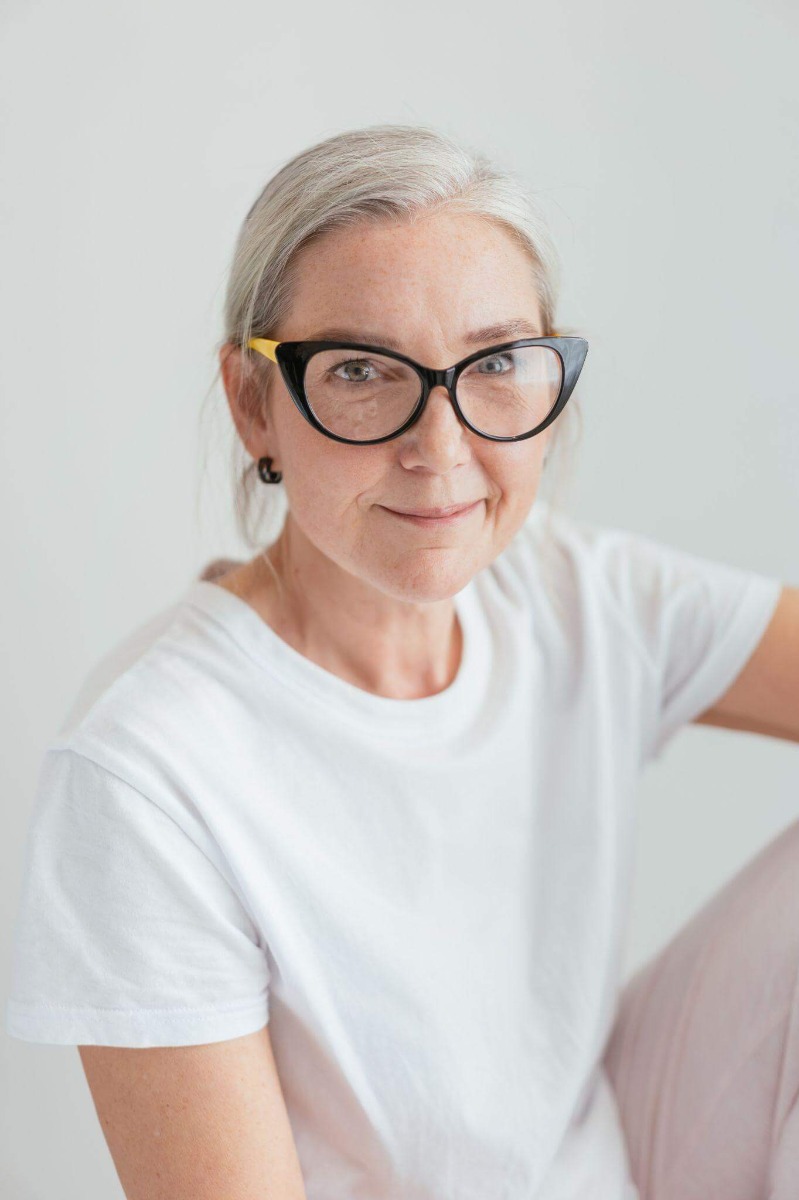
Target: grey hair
x=381, y=172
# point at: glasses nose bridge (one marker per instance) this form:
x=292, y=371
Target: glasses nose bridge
x=440, y=378
x=433, y=377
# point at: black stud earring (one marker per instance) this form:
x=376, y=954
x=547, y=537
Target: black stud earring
x=266, y=473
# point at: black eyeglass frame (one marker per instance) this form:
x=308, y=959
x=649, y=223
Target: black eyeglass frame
x=293, y=359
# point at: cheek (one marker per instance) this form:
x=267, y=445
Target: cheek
x=330, y=484
x=514, y=468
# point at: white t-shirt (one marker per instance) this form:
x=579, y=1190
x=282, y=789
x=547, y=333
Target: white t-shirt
x=426, y=899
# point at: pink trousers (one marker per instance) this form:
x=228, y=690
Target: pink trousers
x=704, y=1053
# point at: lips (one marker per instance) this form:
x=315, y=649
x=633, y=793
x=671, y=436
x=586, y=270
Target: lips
x=435, y=512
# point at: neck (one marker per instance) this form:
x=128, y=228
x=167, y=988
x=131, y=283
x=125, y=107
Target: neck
x=399, y=649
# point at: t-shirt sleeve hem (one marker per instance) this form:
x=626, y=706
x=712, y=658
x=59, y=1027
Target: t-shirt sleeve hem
x=140, y=1027
x=723, y=666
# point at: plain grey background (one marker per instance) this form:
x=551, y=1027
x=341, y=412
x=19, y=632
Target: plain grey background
x=662, y=141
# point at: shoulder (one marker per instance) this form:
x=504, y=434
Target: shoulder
x=576, y=570
x=153, y=695
x=115, y=665
x=631, y=599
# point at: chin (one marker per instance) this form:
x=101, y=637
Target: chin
x=429, y=580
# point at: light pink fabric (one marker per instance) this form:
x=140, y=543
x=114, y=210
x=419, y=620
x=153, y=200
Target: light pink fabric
x=704, y=1054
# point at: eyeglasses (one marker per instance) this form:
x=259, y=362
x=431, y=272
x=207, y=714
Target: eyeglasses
x=361, y=394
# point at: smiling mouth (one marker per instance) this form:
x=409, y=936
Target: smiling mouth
x=435, y=516
x=434, y=512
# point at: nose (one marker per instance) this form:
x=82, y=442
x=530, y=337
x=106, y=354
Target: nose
x=440, y=417
x=438, y=436
x=439, y=403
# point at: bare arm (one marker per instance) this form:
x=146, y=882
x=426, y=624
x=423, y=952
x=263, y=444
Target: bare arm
x=196, y=1122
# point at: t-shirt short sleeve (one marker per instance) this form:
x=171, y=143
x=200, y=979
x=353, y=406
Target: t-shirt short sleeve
x=698, y=621
x=127, y=933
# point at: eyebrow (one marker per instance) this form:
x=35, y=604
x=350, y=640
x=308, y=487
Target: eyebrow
x=503, y=331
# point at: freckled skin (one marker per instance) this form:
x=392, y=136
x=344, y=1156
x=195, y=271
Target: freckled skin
x=369, y=596
x=196, y=1122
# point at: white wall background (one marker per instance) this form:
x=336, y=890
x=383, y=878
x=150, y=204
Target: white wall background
x=663, y=141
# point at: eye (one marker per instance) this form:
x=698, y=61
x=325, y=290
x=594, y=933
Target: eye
x=361, y=365
x=495, y=364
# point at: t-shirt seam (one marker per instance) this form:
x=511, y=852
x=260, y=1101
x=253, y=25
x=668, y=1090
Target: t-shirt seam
x=140, y=662
x=58, y=747
x=239, y=1006
x=633, y=639
x=649, y=661
x=561, y=523
x=740, y=621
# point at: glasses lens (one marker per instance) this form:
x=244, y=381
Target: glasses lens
x=360, y=395
x=511, y=392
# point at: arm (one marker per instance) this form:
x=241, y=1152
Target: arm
x=765, y=696
x=196, y=1122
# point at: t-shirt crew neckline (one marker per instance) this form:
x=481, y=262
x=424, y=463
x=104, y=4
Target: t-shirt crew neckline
x=424, y=718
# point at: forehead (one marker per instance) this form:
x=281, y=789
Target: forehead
x=442, y=267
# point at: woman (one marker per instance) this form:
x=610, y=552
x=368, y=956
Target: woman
x=329, y=868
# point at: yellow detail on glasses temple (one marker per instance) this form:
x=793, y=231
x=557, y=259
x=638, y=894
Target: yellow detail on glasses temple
x=264, y=346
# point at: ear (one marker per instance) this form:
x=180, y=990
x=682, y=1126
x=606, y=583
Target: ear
x=245, y=389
